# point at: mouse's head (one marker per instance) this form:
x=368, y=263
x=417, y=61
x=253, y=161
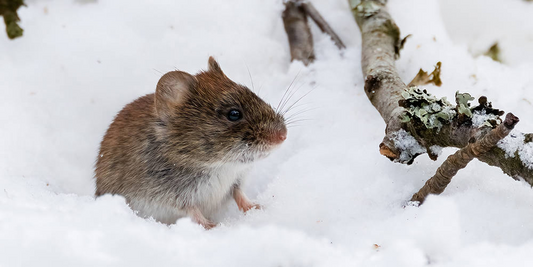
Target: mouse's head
x=209, y=119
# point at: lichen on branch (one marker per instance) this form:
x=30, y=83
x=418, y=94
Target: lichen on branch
x=423, y=108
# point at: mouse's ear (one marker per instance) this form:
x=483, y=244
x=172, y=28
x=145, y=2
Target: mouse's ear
x=171, y=91
x=213, y=66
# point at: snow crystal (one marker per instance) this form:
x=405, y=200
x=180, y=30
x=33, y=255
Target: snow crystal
x=436, y=150
x=407, y=144
x=515, y=143
x=526, y=154
x=480, y=118
x=512, y=142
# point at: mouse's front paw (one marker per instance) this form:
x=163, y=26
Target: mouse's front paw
x=257, y=206
x=243, y=202
x=197, y=217
x=209, y=225
x=251, y=206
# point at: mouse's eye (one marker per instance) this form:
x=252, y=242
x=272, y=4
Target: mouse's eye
x=234, y=115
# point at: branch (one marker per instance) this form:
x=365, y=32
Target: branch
x=461, y=158
x=299, y=33
x=417, y=122
x=322, y=24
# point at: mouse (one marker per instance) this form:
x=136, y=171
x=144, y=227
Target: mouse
x=186, y=150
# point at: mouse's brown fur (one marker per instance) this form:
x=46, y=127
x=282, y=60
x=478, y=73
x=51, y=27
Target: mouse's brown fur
x=177, y=152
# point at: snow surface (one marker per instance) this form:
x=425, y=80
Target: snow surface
x=329, y=198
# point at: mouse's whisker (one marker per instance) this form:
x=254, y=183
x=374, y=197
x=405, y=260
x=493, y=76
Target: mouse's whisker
x=291, y=95
x=287, y=90
x=298, y=120
x=298, y=108
x=260, y=87
x=250, y=75
x=300, y=105
x=296, y=114
x=293, y=117
x=294, y=125
x=295, y=102
x=284, y=94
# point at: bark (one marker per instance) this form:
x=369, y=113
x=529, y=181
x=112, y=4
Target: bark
x=407, y=109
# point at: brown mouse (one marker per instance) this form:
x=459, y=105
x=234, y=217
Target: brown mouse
x=186, y=150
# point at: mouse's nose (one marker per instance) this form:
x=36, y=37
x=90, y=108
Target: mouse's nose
x=279, y=135
x=282, y=136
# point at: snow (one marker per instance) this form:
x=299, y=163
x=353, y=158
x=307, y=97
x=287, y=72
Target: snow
x=512, y=142
x=480, y=118
x=526, y=154
x=514, y=33
x=407, y=144
x=435, y=150
x=515, y=142
x=329, y=197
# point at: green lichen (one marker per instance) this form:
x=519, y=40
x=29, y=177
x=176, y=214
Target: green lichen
x=365, y=8
x=463, y=107
x=433, y=113
x=425, y=108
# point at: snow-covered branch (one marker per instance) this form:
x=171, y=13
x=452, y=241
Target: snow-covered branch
x=418, y=122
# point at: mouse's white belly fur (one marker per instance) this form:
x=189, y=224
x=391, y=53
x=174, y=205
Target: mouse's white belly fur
x=208, y=195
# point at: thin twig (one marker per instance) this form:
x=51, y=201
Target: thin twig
x=461, y=158
x=322, y=24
